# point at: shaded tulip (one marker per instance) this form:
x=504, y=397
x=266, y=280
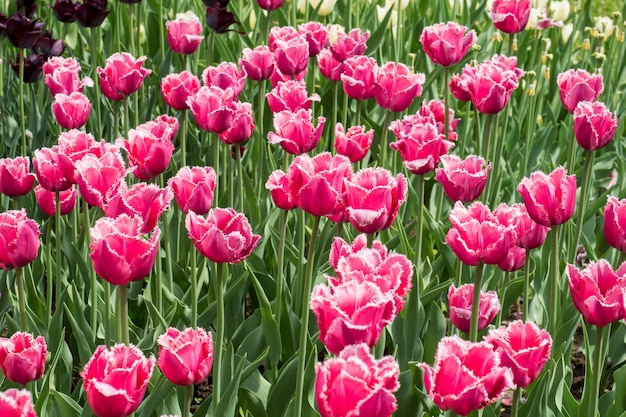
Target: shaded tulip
x=396, y=86
x=530, y=234
x=184, y=33
x=316, y=34
x=419, y=143
x=146, y=201
x=466, y=376
x=316, y=183
x=99, y=176
x=193, y=189
x=147, y=153
x=91, y=13
x=258, y=63
x=355, y=143
x=283, y=33
x=47, y=200
x=447, y=43
x=615, y=223
x=476, y=236
x=224, y=236
x=115, y=380
x=356, y=384
x=21, y=31
x=64, y=11
x=218, y=18
x=62, y=75
x=598, y=292
x=185, y=357
x=51, y=173
x=212, y=108
x=515, y=259
x=549, y=199
x=15, y=176
x=576, y=85
x=177, y=88
x=462, y=180
x=19, y=239
x=291, y=55
x=74, y=144
x=510, y=16
x=329, y=67
x=33, y=64
x=290, y=95
x=270, y=4
x=278, y=185
x=373, y=197
x=358, y=77
x=345, y=45
x=122, y=75
x=242, y=125
x=47, y=46
x=523, y=347
x=71, y=111
x=460, y=304
x=278, y=77
x=16, y=403
x=225, y=75
x=295, y=132
x=594, y=125
x=436, y=109
x=23, y=357
x=119, y=252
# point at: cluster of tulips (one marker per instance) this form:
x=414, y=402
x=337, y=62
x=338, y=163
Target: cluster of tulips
x=130, y=182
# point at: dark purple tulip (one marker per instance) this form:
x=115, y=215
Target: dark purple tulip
x=220, y=4
x=130, y=1
x=33, y=67
x=26, y=7
x=23, y=32
x=91, y=13
x=48, y=46
x=219, y=19
x=65, y=10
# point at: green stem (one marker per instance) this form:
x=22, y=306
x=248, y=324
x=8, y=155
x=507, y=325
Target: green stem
x=517, y=396
x=382, y=155
x=107, y=313
x=304, y=319
x=210, y=45
x=511, y=41
x=188, y=396
x=217, y=363
x=168, y=244
x=370, y=239
x=92, y=272
x=194, y=289
x=131, y=26
x=602, y=338
x=21, y=295
x=473, y=336
x=280, y=266
x=486, y=143
x=57, y=241
x=582, y=206
x=419, y=228
x=446, y=102
x=333, y=122
x=122, y=314
x=50, y=280
x=158, y=293
x=94, y=36
x=22, y=115
x=216, y=167
x=162, y=32
x=357, y=113
x=525, y=305
x=126, y=117
x=183, y=139
x=554, y=280
x=239, y=176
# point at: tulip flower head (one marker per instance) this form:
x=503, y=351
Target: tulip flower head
x=47, y=200
x=122, y=75
x=550, y=199
x=447, y=43
x=15, y=176
x=185, y=357
x=147, y=201
x=396, y=86
x=594, y=125
x=225, y=75
x=358, y=77
x=355, y=143
x=19, y=242
x=290, y=95
x=257, y=63
x=462, y=180
x=576, y=85
x=18, y=403
x=71, y=111
x=510, y=16
x=193, y=189
x=460, y=303
x=615, y=223
x=184, y=33
x=176, y=89
x=23, y=357
x=316, y=34
x=295, y=131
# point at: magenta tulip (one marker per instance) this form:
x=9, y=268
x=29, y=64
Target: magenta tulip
x=460, y=303
x=184, y=34
x=550, y=199
x=225, y=75
x=436, y=109
x=23, y=357
x=212, y=108
x=242, y=124
x=71, y=111
x=316, y=34
x=530, y=234
x=278, y=185
x=258, y=63
x=594, y=125
x=52, y=174
x=122, y=75
x=98, y=177
x=185, y=357
x=510, y=16
x=345, y=45
x=295, y=132
x=396, y=86
x=16, y=403
x=62, y=75
x=355, y=143
x=447, y=43
x=615, y=223
x=176, y=89
x=329, y=67
x=47, y=200
x=148, y=154
x=146, y=201
x=358, y=77
x=19, y=239
x=291, y=55
x=15, y=176
x=193, y=189
x=290, y=95
x=576, y=85
x=462, y=180
x=270, y=4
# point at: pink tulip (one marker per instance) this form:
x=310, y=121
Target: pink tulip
x=576, y=85
x=510, y=16
x=515, y=259
x=460, y=303
x=295, y=132
x=71, y=111
x=447, y=43
x=74, y=144
x=598, y=292
x=476, y=236
x=550, y=199
x=270, y=4
x=346, y=45
x=193, y=189
x=291, y=55
x=15, y=176
x=466, y=376
x=329, y=67
x=184, y=34
x=316, y=34
x=225, y=75
x=356, y=384
x=358, y=77
x=524, y=348
x=396, y=86
x=164, y=127
x=391, y=272
x=47, y=200
x=147, y=153
x=419, y=143
x=50, y=172
x=594, y=125
x=212, y=108
x=224, y=236
x=98, y=177
x=61, y=75
x=316, y=183
x=176, y=89
x=185, y=357
x=463, y=180
x=115, y=380
x=146, y=201
x=355, y=143
x=242, y=124
x=258, y=63
x=530, y=234
x=615, y=223
x=373, y=197
x=278, y=77
x=119, y=252
x=283, y=33
x=16, y=403
x=19, y=239
x=122, y=75
x=436, y=109
x=278, y=184
x=23, y=357
x=290, y=95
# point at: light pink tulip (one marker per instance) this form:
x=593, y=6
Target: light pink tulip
x=122, y=75
x=510, y=16
x=258, y=63
x=295, y=131
x=71, y=111
x=16, y=403
x=225, y=75
x=576, y=85
x=290, y=95
x=184, y=34
x=19, y=239
x=550, y=199
x=176, y=89
x=146, y=201
x=447, y=43
x=460, y=303
x=462, y=180
x=397, y=86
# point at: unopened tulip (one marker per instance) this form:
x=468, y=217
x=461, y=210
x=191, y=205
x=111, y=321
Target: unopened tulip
x=91, y=13
x=510, y=16
x=184, y=34
x=15, y=176
x=115, y=380
x=524, y=348
x=594, y=125
x=295, y=131
x=176, y=89
x=148, y=154
x=355, y=143
x=460, y=303
x=550, y=199
x=16, y=403
x=185, y=357
x=71, y=111
x=122, y=75
x=397, y=86
x=462, y=180
x=466, y=376
x=19, y=239
x=447, y=43
x=576, y=85
x=47, y=200
x=193, y=189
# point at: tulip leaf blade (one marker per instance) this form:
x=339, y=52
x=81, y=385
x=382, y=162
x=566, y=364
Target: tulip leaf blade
x=270, y=327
